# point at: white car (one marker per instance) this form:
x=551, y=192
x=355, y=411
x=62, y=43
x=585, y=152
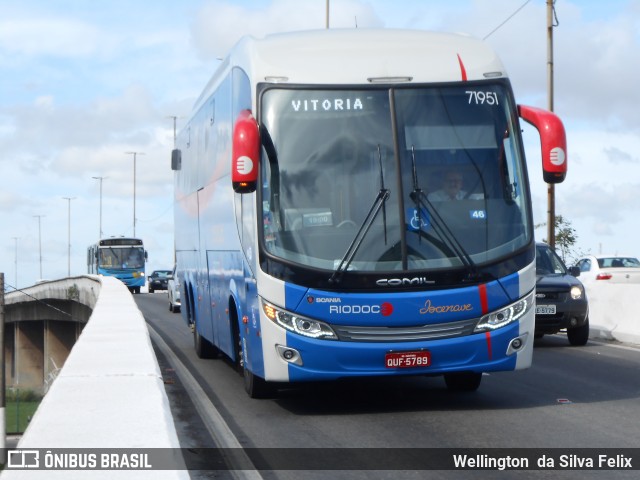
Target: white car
x=609, y=268
x=173, y=292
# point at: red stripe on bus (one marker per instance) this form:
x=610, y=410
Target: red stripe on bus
x=463, y=70
x=484, y=302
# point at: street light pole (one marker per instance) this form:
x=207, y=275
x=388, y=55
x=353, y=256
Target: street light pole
x=16, y=261
x=68, y=199
x=175, y=120
x=100, y=178
x=40, y=241
x=135, y=154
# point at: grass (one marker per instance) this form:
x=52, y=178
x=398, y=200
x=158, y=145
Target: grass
x=20, y=405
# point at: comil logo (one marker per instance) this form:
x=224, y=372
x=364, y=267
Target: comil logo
x=403, y=282
x=385, y=309
x=244, y=165
x=557, y=156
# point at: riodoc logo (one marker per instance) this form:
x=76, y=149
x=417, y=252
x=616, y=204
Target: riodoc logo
x=385, y=309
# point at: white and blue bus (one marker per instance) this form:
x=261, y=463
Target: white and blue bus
x=120, y=257
x=312, y=239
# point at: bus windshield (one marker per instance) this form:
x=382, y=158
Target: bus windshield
x=121, y=257
x=408, y=178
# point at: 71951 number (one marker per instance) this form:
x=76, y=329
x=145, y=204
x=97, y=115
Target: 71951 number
x=482, y=98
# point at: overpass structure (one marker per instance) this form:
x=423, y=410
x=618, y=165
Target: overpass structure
x=42, y=323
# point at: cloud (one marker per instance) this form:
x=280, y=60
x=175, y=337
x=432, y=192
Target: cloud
x=52, y=37
x=126, y=118
x=615, y=155
x=597, y=64
x=220, y=24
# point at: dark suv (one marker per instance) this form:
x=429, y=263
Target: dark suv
x=561, y=301
x=158, y=280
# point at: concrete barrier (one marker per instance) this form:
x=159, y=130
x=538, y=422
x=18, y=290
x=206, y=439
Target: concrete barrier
x=614, y=311
x=109, y=394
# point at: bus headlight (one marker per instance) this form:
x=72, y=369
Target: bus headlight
x=298, y=324
x=506, y=315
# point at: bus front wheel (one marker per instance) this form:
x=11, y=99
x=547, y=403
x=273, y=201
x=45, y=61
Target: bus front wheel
x=255, y=386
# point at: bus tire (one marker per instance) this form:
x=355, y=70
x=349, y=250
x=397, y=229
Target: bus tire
x=463, y=381
x=203, y=347
x=256, y=386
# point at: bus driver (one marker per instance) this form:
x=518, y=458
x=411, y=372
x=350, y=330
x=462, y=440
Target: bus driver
x=451, y=188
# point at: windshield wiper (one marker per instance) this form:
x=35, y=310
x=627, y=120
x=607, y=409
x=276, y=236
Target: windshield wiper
x=441, y=227
x=378, y=204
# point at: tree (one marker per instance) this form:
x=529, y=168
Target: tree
x=566, y=238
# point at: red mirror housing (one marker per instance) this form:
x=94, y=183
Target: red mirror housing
x=553, y=141
x=245, y=153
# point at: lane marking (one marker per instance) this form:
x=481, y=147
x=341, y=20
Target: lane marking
x=212, y=419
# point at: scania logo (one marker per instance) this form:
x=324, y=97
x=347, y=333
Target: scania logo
x=385, y=309
x=324, y=299
x=401, y=282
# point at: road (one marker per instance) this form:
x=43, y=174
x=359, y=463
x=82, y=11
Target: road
x=572, y=397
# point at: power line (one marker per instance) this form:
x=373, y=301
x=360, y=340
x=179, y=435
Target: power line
x=508, y=18
x=16, y=289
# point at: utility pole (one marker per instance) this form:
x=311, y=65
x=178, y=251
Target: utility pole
x=135, y=154
x=39, y=217
x=551, y=210
x=68, y=199
x=327, y=15
x=101, y=179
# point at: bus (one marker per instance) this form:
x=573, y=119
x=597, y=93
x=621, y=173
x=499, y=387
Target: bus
x=310, y=242
x=120, y=257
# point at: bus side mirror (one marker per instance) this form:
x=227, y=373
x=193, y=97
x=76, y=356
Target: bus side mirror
x=176, y=159
x=146, y=255
x=553, y=141
x=245, y=153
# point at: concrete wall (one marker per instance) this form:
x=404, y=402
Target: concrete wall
x=109, y=394
x=614, y=311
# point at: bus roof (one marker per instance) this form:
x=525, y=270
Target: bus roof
x=356, y=56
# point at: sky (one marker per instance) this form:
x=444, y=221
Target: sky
x=82, y=82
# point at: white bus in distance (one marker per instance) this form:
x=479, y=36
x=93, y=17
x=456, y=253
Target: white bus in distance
x=308, y=244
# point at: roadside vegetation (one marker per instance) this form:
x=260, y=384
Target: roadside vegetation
x=20, y=406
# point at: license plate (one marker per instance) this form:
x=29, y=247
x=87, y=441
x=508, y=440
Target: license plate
x=545, y=309
x=407, y=359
